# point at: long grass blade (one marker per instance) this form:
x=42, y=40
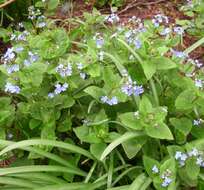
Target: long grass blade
x=118, y=141
x=27, y=143
x=38, y=168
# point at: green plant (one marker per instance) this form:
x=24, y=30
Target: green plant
x=101, y=107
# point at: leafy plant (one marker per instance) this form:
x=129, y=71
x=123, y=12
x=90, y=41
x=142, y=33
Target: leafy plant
x=102, y=106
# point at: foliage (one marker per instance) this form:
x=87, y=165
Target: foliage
x=102, y=106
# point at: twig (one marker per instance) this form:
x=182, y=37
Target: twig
x=6, y=3
x=135, y=3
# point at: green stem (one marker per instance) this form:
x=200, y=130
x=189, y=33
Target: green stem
x=154, y=91
x=194, y=46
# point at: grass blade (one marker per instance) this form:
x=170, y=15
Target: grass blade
x=118, y=141
x=26, y=143
x=17, y=182
x=138, y=182
x=38, y=168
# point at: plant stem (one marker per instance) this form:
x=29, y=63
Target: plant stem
x=154, y=91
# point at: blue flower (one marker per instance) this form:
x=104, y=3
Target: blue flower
x=198, y=83
x=165, y=31
x=9, y=55
x=111, y=101
x=83, y=75
x=167, y=181
x=14, y=89
x=179, y=30
x=155, y=169
x=179, y=54
x=12, y=68
x=197, y=122
x=60, y=88
x=112, y=18
x=137, y=43
x=64, y=70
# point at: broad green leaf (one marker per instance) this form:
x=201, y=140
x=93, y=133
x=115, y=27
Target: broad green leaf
x=149, y=163
x=149, y=69
x=192, y=169
x=163, y=63
x=130, y=120
x=97, y=149
x=159, y=131
x=185, y=100
x=145, y=105
x=183, y=125
x=95, y=92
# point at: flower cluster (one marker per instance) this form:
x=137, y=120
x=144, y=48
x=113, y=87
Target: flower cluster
x=33, y=57
x=166, y=178
x=131, y=38
x=109, y=101
x=8, y=56
x=14, y=89
x=159, y=19
x=64, y=70
x=12, y=68
x=112, y=18
x=37, y=15
x=33, y=13
x=182, y=157
x=58, y=89
x=131, y=88
x=19, y=37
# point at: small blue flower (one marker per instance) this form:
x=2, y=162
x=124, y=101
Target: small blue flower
x=197, y=122
x=155, y=169
x=193, y=152
x=111, y=101
x=99, y=42
x=138, y=90
x=137, y=43
x=9, y=55
x=179, y=54
x=178, y=30
x=60, y=88
x=112, y=18
x=27, y=63
x=198, y=83
x=199, y=161
x=64, y=70
x=33, y=57
x=80, y=66
x=14, y=89
x=165, y=31
x=83, y=75
x=167, y=181
x=12, y=68
x=19, y=49
x=51, y=95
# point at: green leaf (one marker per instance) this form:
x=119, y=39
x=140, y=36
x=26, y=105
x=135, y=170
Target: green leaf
x=86, y=134
x=95, y=92
x=185, y=100
x=130, y=120
x=159, y=131
x=133, y=146
x=145, y=105
x=183, y=125
x=52, y=4
x=149, y=69
x=97, y=149
x=149, y=163
x=192, y=169
x=163, y=63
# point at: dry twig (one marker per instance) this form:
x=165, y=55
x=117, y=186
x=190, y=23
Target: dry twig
x=6, y=3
